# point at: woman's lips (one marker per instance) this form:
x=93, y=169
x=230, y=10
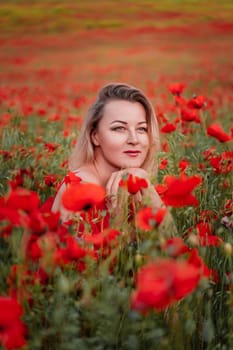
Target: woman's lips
x=132, y=153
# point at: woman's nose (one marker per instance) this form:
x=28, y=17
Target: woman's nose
x=132, y=137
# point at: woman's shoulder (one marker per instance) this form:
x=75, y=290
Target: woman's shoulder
x=85, y=173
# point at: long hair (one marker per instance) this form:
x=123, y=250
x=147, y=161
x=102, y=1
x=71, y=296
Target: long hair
x=83, y=151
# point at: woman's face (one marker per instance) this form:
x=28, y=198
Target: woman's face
x=121, y=137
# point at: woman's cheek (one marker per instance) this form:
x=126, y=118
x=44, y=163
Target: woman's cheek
x=117, y=141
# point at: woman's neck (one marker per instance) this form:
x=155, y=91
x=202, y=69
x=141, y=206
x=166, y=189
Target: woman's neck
x=103, y=171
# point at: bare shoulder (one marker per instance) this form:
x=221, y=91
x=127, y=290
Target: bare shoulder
x=57, y=200
x=87, y=174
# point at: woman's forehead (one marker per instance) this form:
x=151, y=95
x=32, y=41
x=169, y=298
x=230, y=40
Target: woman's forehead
x=124, y=110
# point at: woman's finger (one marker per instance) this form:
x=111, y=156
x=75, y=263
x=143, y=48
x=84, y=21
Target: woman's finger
x=113, y=187
x=139, y=196
x=110, y=183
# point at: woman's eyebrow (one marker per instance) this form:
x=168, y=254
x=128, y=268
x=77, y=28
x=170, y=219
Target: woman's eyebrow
x=118, y=121
x=121, y=121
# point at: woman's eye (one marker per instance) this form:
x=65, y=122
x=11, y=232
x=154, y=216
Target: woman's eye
x=118, y=128
x=122, y=128
x=143, y=129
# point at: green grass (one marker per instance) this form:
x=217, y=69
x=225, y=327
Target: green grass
x=17, y=17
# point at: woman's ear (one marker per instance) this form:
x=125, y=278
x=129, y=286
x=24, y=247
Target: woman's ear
x=94, y=138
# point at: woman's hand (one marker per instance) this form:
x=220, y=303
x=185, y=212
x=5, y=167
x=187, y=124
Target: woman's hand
x=149, y=193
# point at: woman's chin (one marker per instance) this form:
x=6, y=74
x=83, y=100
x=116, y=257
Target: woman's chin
x=131, y=164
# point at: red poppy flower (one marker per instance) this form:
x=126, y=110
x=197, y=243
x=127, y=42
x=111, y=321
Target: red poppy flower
x=79, y=101
x=6, y=154
x=163, y=164
x=51, y=147
x=47, y=205
x=176, y=88
x=183, y=164
x=71, y=177
x=216, y=131
x=228, y=207
x=180, y=101
x=12, y=330
x=37, y=223
x=163, y=282
x=207, y=215
x=50, y=179
x=161, y=117
x=33, y=249
x=197, y=261
x=133, y=183
x=20, y=280
x=70, y=252
x=23, y=199
x=177, y=191
x=189, y=115
x=148, y=218
x=102, y=239
x=54, y=118
x=205, y=235
x=165, y=147
x=97, y=220
x=196, y=102
x=209, y=152
x=222, y=163
x=216, y=163
x=52, y=220
x=83, y=196
x=13, y=216
x=17, y=181
x=41, y=111
x=167, y=128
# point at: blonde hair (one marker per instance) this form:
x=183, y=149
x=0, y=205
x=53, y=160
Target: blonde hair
x=83, y=151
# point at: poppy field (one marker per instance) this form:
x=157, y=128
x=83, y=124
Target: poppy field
x=131, y=280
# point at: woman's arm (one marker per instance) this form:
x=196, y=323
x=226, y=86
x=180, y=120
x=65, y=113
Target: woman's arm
x=84, y=175
x=65, y=215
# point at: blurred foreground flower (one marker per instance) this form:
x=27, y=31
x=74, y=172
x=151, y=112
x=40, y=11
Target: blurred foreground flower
x=163, y=282
x=83, y=196
x=12, y=330
x=133, y=183
x=102, y=239
x=17, y=206
x=176, y=191
x=23, y=199
x=148, y=218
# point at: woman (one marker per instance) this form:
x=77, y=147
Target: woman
x=119, y=136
